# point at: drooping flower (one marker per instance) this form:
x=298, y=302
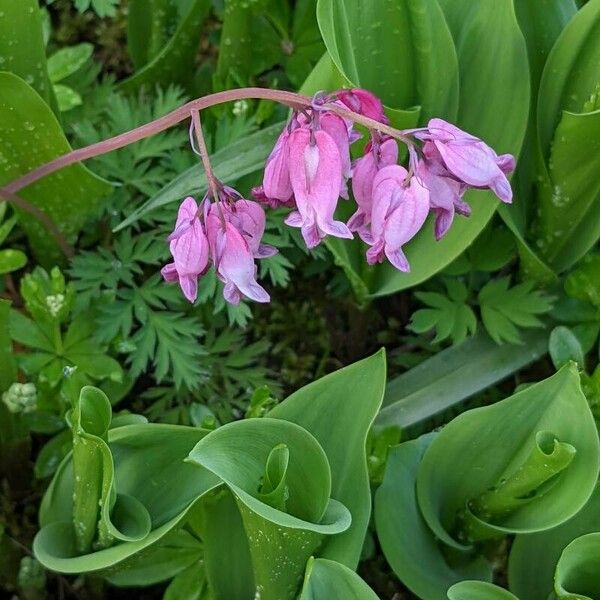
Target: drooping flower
x=466, y=158
x=249, y=219
x=376, y=157
x=445, y=195
x=189, y=248
x=399, y=211
x=315, y=173
x=338, y=131
x=233, y=260
x=276, y=180
x=364, y=103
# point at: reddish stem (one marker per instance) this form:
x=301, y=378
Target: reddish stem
x=291, y=99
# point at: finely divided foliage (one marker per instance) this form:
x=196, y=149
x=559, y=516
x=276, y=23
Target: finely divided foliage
x=195, y=400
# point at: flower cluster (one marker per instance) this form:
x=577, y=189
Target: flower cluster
x=308, y=171
x=226, y=234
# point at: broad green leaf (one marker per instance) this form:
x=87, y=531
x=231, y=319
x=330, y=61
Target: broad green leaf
x=67, y=61
x=453, y=375
x=338, y=411
x=171, y=555
x=533, y=558
x=27, y=332
x=401, y=51
x=541, y=23
x=281, y=538
x=11, y=260
x=227, y=554
x=326, y=579
x=569, y=226
x=494, y=107
x=8, y=373
x=234, y=161
x=149, y=467
x=408, y=544
x=175, y=62
x=577, y=575
x=570, y=75
x=30, y=136
x=478, y=590
x=95, y=503
x=489, y=450
x=22, y=47
x=190, y=584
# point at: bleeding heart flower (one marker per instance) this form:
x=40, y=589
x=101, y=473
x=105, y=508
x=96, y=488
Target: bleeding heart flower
x=233, y=260
x=249, y=219
x=336, y=128
x=276, y=181
x=466, y=158
x=365, y=168
x=315, y=173
x=399, y=211
x=189, y=248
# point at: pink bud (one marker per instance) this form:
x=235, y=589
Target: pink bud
x=364, y=103
x=399, y=212
x=189, y=248
x=315, y=173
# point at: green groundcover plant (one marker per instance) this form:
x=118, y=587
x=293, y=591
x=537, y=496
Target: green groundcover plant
x=419, y=174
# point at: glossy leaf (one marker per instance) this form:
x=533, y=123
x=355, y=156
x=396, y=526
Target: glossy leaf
x=171, y=555
x=453, y=375
x=570, y=75
x=149, y=468
x=533, y=558
x=484, y=447
x=22, y=47
x=478, y=590
x=577, y=576
x=236, y=160
x=326, y=579
x=401, y=51
x=338, y=411
x=30, y=136
x=175, y=61
x=409, y=545
x=488, y=40
x=280, y=542
x=568, y=218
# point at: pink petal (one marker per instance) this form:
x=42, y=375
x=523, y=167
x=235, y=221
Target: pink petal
x=315, y=173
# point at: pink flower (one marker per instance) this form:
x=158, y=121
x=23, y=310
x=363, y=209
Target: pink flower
x=249, y=219
x=189, y=248
x=466, y=158
x=364, y=103
x=233, y=261
x=276, y=181
x=445, y=195
x=336, y=128
x=315, y=173
x=398, y=213
x=365, y=169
